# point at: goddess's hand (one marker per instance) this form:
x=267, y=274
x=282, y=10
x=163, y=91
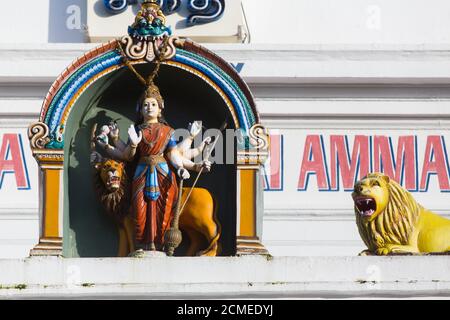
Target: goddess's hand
x=206, y=165
x=195, y=129
x=101, y=143
x=183, y=174
x=207, y=140
x=134, y=137
x=114, y=131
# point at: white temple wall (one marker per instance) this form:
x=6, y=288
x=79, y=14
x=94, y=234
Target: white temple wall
x=300, y=91
x=348, y=67
x=368, y=22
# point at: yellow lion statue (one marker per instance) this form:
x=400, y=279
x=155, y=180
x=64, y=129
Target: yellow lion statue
x=390, y=220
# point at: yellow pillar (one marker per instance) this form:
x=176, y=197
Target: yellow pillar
x=250, y=209
x=247, y=217
x=250, y=193
x=51, y=202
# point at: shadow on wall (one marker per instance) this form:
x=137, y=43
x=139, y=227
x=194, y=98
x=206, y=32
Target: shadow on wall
x=95, y=232
x=67, y=21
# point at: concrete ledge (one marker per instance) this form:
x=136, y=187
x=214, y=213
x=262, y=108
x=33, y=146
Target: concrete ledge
x=233, y=277
x=264, y=64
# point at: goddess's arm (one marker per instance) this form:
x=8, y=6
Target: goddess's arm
x=192, y=153
x=180, y=154
x=125, y=152
x=184, y=147
x=119, y=144
x=179, y=161
x=185, y=144
x=114, y=137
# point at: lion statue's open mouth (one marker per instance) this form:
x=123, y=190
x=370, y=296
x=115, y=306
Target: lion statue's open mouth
x=113, y=181
x=111, y=174
x=366, y=206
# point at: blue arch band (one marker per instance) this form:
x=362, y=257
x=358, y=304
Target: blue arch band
x=93, y=68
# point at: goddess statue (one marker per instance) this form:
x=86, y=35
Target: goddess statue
x=154, y=190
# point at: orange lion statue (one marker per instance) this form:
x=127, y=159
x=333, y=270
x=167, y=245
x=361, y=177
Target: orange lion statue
x=198, y=219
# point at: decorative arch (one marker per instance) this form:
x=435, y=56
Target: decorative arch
x=47, y=135
x=99, y=62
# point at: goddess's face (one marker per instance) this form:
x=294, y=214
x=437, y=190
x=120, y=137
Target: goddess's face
x=150, y=108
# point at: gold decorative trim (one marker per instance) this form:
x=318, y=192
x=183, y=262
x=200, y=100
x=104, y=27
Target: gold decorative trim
x=259, y=137
x=258, y=154
x=149, y=50
x=250, y=246
x=252, y=158
x=49, y=158
x=38, y=135
x=48, y=247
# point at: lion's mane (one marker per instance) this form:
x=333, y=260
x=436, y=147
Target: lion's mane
x=395, y=224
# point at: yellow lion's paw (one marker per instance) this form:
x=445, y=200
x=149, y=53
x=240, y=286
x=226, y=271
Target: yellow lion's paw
x=383, y=251
x=365, y=253
x=396, y=249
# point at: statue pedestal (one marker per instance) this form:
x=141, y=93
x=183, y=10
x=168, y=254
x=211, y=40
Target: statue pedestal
x=142, y=254
x=154, y=254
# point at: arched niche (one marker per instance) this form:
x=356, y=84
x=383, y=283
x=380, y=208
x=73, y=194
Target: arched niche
x=95, y=88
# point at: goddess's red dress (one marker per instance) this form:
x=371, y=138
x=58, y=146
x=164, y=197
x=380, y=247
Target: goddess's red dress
x=154, y=187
